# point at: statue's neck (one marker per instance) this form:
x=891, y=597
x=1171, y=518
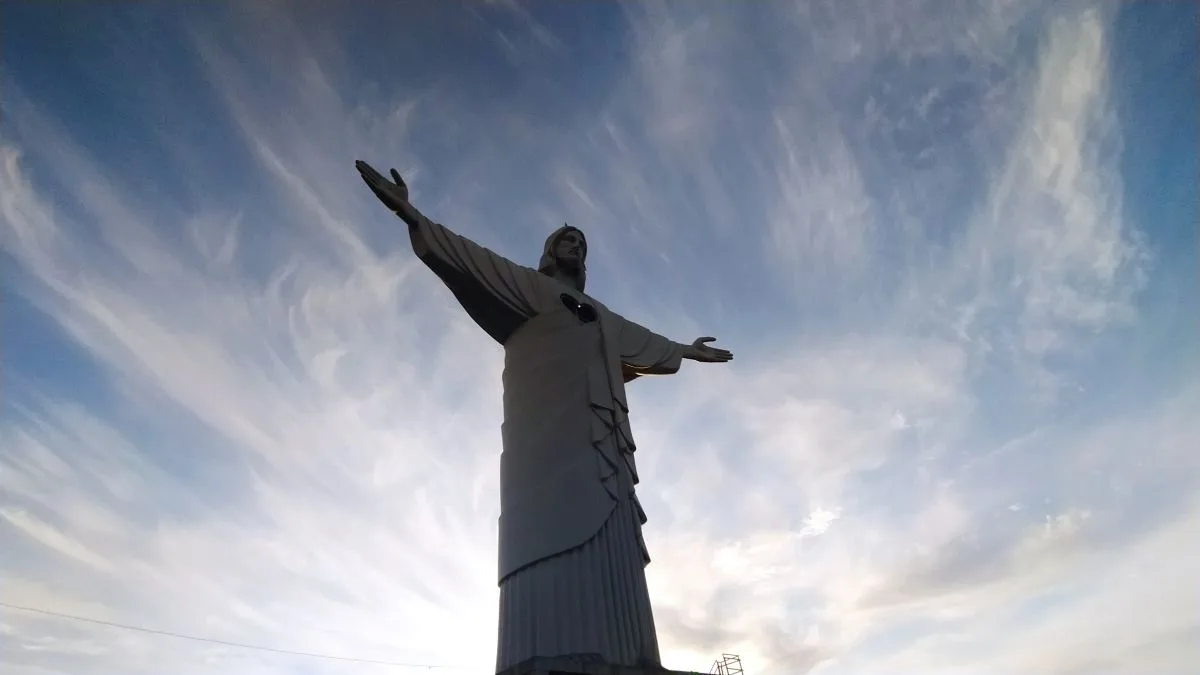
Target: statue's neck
x=573, y=280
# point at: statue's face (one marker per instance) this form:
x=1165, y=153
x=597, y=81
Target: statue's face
x=570, y=250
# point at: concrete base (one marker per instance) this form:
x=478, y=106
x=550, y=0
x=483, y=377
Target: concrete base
x=552, y=666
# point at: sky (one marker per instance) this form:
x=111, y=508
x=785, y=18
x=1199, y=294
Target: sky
x=953, y=246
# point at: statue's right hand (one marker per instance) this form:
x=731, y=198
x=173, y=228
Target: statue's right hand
x=394, y=195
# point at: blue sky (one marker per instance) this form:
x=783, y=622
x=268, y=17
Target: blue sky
x=953, y=246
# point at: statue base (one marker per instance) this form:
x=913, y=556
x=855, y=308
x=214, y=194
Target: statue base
x=553, y=666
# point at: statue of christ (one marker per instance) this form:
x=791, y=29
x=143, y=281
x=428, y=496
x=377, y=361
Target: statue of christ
x=572, y=558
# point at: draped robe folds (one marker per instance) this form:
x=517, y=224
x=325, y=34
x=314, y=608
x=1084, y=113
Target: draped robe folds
x=567, y=470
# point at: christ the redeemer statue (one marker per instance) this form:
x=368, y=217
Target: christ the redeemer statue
x=572, y=559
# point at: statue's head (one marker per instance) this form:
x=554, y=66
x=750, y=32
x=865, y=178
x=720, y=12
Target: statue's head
x=565, y=256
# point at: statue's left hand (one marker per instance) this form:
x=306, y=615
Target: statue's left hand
x=700, y=351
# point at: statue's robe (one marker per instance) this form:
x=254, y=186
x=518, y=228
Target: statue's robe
x=572, y=558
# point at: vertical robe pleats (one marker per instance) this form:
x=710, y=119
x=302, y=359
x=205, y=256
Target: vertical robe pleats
x=590, y=602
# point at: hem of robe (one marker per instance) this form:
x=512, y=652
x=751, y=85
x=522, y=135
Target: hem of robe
x=590, y=599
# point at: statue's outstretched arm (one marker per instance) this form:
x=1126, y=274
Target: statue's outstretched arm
x=644, y=352
x=496, y=292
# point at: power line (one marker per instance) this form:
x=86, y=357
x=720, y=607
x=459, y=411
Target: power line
x=226, y=643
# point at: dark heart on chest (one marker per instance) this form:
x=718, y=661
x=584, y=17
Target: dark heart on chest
x=582, y=311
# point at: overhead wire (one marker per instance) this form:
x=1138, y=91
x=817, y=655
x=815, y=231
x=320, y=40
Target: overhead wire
x=227, y=643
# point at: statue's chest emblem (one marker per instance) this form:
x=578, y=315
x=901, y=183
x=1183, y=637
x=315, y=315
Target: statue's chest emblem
x=583, y=311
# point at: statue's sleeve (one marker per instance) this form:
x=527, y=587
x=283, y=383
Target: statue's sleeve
x=497, y=293
x=644, y=352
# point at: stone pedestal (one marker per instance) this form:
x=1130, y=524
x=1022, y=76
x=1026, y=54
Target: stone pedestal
x=551, y=666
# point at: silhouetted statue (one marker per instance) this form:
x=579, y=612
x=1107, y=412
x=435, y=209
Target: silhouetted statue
x=572, y=557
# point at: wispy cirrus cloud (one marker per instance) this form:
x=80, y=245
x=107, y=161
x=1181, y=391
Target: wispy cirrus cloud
x=907, y=222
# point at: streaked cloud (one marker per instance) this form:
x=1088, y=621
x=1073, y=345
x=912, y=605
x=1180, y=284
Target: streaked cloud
x=238, y=408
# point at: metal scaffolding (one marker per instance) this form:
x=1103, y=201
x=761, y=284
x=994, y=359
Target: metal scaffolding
x=728, y=664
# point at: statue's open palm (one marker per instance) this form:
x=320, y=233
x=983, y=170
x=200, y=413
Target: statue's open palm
x=394, y=195
x=700, y=351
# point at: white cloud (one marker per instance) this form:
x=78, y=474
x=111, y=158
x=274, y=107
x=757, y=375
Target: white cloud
x=295, y=443
x=1049, y=243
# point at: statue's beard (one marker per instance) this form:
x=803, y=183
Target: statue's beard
x=568, y=265
x=572, y=268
